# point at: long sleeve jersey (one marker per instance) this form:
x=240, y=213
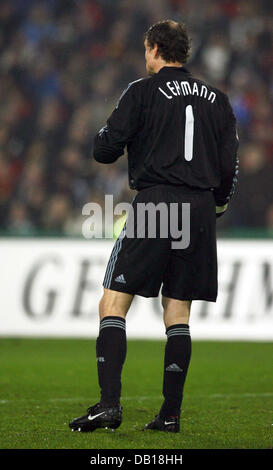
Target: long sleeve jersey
x=178, y=130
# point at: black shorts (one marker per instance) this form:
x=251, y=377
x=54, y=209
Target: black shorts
x=139, y=266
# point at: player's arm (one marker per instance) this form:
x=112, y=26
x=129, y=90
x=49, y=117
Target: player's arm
x=121, y=127
x=229, y=162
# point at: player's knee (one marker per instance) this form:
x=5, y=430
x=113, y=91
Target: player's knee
x=170, y=320
x=108, y=307
x=111, y=306
x=177, y=312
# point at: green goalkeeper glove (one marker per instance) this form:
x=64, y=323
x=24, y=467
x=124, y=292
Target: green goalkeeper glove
x=118, y=226
x=220, y=210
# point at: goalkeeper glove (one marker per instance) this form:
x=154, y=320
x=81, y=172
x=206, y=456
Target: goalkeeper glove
x=220, y=210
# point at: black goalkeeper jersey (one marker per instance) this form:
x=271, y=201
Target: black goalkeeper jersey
x=178, y=130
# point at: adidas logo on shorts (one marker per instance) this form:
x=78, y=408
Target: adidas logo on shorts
x=121, y=279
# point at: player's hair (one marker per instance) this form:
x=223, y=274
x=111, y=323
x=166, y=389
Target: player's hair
x=172, y=40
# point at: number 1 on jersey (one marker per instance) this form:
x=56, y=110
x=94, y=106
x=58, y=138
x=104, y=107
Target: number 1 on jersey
x=189, y=126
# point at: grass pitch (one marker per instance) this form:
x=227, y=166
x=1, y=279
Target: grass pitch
x=44, y=383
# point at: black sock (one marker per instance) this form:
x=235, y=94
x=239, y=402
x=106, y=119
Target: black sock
x=111, y=352
x=176, y=363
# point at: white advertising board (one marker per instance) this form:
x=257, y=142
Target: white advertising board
x=52, y=287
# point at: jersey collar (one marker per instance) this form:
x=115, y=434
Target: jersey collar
x=167, y=69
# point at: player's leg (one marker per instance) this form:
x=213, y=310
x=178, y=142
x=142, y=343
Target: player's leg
x=177, y=353
x=114, y=303
x=175, y=311
x=136, y=266
x=191, y=273
x=176, y=363
x=111, y=353
x=111, y=344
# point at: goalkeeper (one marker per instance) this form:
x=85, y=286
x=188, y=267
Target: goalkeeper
x=182, y=146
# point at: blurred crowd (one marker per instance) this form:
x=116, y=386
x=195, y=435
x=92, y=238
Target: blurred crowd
x=63, y=66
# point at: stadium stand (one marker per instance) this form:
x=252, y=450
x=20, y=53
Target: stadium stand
x=63, y=65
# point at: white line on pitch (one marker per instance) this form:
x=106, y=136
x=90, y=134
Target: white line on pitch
x=139, y=398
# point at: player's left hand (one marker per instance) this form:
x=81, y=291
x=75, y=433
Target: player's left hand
x=220, y=210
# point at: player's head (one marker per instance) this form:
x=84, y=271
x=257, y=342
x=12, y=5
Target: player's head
x=166, y=42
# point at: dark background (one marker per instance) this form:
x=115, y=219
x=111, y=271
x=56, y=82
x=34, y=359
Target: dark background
x=63, y=65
